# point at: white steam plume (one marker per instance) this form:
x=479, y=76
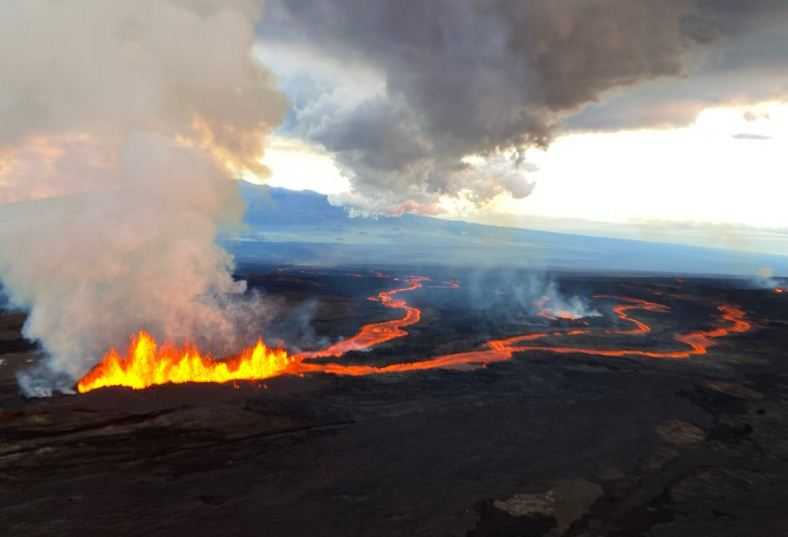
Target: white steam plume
x=122, y=125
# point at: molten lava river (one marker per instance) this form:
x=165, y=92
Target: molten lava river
x=146, y=363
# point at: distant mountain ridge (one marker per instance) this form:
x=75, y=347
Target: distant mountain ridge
x=303, y=227
x=270, y=206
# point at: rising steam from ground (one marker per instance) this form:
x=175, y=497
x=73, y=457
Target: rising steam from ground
x=553, y=304
x=765, y=279
x=517, y=296
x=122, y=125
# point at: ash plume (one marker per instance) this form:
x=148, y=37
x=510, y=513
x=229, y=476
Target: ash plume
x=123, y=123
x=417, y=88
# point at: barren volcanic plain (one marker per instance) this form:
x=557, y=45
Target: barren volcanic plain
x=431, y=402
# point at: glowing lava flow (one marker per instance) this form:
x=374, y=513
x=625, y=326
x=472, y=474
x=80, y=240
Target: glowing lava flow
x=550, y=314
x=145, y=364
x=634, y=304
x=499, y=350
x=375, y=334
x=699, y=342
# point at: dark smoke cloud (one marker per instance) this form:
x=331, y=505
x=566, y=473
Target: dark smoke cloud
x=746, y=62
x=480, y=77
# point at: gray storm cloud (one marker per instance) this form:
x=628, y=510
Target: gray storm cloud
x=122, y=125
x=479, y=77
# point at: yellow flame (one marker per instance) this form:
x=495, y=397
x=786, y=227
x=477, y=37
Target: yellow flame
x=146, y=364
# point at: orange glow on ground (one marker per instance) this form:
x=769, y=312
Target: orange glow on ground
x=499, y=350
x=374, y=334
x=634, y=304
x=146, y=364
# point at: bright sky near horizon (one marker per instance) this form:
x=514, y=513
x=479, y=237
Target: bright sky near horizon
x=727, y=169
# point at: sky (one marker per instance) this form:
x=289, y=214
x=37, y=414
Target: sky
x=584, y=182
x=630, y=118
x=580, y=124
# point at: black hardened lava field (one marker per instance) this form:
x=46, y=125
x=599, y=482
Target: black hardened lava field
x=432, y=402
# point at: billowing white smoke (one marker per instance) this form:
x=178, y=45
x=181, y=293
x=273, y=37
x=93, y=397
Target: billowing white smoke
x=123, y=123
x=515, y=294
x=765, y=279
x=554, y=305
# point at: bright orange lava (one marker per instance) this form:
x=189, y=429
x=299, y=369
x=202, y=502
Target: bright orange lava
x=545, y=312
x=564, y=315
x=633, y=304
x=374, y=334
x=145, y=364
x=499, y=350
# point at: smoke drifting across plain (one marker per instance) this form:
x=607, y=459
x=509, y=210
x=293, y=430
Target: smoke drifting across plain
x=518, y=295
x=132, y=117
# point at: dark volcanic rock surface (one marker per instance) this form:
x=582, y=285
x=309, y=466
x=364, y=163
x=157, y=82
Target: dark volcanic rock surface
x=540, y=445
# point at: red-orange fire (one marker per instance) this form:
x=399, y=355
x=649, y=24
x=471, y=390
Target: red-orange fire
x=147, y=364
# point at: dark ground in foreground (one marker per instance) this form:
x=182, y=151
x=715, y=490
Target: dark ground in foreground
x=540, y=445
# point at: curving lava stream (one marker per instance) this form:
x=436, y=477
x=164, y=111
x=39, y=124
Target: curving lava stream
x=374, y=334
x=146, y=364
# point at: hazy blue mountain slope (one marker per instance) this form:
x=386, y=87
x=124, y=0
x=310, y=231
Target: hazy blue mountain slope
x=286, y=226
